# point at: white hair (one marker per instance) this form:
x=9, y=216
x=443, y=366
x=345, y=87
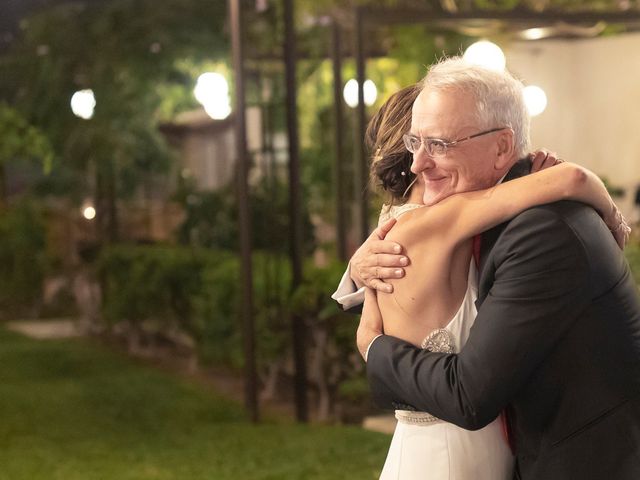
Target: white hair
x=498, y=96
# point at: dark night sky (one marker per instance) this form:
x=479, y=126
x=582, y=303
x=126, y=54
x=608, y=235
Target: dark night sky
x=12, y=11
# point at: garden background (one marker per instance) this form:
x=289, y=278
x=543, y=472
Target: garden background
x=125, y=226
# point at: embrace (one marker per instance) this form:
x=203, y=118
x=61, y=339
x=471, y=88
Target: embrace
x=500, y=319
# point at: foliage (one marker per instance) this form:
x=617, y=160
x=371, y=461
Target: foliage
x=330, y=331
x=152, y=284
x=127, y=52
x=414, y=48
x=161, y=290
x=215, y=306
x=76, y=411
x=195, y=291
x=211, y=218
x=20, y=140
x=632, y=252
x=22, y=259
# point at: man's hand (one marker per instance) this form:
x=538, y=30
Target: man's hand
x=541, y=159
x=377, y=259
x=370, y=322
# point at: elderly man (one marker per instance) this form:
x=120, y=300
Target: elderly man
x=562, y=357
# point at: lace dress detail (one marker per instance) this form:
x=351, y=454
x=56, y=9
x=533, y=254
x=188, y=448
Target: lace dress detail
x=395, y=211
x=440, y=340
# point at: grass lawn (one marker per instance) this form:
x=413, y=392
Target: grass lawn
x=74, y=410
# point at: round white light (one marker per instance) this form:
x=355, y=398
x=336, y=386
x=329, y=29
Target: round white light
x=89, y=213
x=350, y=93
x=535, y=33
x=83, y=103
x=535, y=99
x=217, y=110
x=212, y=91
x=486, y=54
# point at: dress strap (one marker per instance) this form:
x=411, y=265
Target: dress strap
x=395, y=211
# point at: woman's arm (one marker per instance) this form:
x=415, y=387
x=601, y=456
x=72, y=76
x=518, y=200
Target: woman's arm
x=467, y=214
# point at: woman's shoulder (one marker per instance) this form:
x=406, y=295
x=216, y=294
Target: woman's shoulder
x=396, y=211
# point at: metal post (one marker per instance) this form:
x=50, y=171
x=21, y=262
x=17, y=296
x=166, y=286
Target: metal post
x=251, y=389
x=295, y=227
x=338, y=166
x=362, y=191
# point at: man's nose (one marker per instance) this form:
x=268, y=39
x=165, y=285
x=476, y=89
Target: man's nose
x=422, y=161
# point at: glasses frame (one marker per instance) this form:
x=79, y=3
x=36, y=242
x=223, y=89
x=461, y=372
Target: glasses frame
x=428, y=143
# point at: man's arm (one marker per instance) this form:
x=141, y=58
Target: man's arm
x=348, y=294
x=541, y=286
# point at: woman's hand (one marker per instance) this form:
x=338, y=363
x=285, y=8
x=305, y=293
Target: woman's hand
x=541, y=159
x=618, y=226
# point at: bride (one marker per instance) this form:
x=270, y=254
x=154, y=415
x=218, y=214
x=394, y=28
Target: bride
x=433, y=305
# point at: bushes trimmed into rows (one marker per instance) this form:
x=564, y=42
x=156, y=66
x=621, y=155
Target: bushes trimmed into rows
x=180, y=292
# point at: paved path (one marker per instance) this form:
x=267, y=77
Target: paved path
x=380, y=423
x=45, y=329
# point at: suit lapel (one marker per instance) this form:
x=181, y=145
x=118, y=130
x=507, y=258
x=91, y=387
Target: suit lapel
x=489, y=238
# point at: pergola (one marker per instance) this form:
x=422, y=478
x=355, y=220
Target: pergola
x=363, y=19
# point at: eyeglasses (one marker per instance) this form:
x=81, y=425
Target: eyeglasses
x=436, y=147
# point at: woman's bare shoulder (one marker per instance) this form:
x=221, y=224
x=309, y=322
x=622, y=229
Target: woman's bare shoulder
x=420, y=225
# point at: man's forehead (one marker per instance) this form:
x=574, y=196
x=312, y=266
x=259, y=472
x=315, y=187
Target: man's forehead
x=435, y=113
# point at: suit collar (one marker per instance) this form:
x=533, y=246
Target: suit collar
x=520, y=168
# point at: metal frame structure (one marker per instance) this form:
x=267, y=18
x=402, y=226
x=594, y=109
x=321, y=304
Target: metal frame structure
x=244, y=213
x=367, y=16
x=295, y=216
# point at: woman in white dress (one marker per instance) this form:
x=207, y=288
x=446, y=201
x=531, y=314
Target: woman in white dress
x=433, y=305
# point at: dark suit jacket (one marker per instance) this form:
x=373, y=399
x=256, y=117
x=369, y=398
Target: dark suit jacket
x=556, y=340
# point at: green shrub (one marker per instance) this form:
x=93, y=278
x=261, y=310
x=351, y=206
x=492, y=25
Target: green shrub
x=152, y=284
x=211, y=218
x=22, y=259
x=331, y=338
x=199, y=292
x=632, y=252
x=215, y=308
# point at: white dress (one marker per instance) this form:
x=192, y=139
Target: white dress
x=426, y=448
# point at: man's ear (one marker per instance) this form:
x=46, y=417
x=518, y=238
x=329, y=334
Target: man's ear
x=505, y=149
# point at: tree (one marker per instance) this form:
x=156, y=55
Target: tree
x=23, y=142
x=124, y=50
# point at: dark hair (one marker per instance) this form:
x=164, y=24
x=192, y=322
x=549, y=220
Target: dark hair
x=390, y=160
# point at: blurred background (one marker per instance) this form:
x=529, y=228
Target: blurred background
x=182, y=183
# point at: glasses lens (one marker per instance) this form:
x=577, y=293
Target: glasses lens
x=407, y=142
x=411, y=143
x=436, y=147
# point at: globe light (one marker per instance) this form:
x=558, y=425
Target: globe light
x=83, y=102
x=535, y=33
x=89, y=212
x=212, y=91
x=486, y=54
x=217, y=110
x=350, y=93
x=535, y=99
